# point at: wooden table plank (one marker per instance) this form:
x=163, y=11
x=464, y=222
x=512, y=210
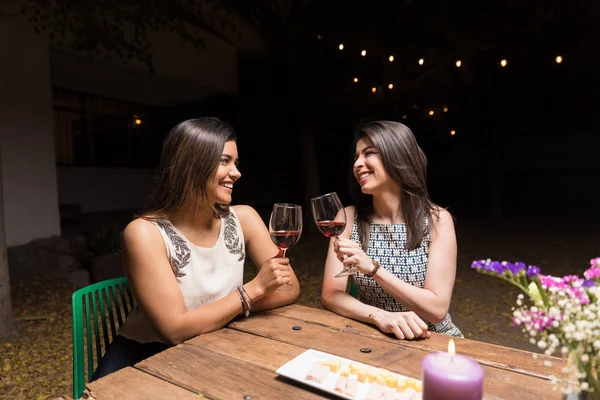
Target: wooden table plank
x=130, y=383
x=218, y=376
x=498, y=383
x=485, y=353
x=257, y=350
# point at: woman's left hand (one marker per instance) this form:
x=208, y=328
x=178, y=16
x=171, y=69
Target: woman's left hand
x=350, y=253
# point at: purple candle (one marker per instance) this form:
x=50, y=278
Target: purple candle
x=450, y=376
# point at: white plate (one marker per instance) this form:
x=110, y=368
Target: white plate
x=298, y=367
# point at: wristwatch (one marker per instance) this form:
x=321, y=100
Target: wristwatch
x=376, y=266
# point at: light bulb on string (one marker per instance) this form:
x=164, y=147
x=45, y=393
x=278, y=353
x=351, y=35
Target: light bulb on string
x=453, y=132
x=458, y=63
x=319, y=36
x=421, y=61
x=363, y=53
x=503, y=62
x=391, y=58
x=355, y=80
x=431, y=112
x=559, y=59
x=445, y=109
x=391, y=86
x=373, y=89
x=341, y=46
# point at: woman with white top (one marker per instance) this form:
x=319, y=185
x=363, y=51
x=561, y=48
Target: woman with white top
x=184, y=257
x=402, y=244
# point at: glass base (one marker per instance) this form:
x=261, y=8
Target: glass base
x=347, y=272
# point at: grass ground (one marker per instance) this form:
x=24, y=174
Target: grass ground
x=37, y=363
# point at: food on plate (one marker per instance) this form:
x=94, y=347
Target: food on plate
x=318, y=373
x=375, y=392
x=334, y=365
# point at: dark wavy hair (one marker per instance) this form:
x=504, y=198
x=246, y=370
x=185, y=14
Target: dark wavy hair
x=406, y=164
x=190, y=155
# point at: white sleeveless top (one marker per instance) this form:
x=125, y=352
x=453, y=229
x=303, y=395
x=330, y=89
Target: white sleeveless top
x=204, y=274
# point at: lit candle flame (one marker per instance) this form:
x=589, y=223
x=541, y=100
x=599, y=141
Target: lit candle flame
x=451, y=348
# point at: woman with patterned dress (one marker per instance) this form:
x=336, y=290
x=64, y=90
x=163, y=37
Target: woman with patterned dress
x=403, y=245
x=184, y=257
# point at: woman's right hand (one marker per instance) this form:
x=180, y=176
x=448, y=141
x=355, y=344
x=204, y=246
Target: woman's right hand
x=404, y=325
x=273, y=274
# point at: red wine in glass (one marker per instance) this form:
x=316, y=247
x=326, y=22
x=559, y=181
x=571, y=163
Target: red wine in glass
x=330, y=217
x=331, y=228
x=285, y=227
x=285, y=239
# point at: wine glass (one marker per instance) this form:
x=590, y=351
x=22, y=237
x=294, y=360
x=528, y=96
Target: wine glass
x=285, y=227
x=330, y=217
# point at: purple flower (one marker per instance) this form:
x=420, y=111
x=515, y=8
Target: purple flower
x=532, y=270
x=588, y=283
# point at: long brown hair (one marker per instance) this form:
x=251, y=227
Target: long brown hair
x=190, y=155
x=406, y=164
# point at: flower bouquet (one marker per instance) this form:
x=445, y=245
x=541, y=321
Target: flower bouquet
x=560, y=315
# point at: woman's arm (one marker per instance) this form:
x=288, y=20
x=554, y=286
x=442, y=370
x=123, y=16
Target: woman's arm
x=159, y=296
x=404, y=325
x=158, y=293
x=265, y=254
x=433, y=301
x=333, y=294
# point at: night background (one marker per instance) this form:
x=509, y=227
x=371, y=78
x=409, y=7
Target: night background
x=501, y=96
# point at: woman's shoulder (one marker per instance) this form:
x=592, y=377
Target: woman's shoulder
x=141, y=230
x=350, y=212
x=247, y=216
x=245, y=213
x=442, y=220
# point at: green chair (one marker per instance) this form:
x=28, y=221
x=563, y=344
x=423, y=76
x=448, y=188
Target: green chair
x=353, y=289
x=99, y=310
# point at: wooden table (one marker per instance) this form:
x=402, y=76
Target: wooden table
x=241, y=359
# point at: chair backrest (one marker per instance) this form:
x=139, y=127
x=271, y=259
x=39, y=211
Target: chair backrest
x=99, y=310
x=353, y=289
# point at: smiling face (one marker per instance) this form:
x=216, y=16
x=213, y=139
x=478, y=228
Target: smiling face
x=220, y=188
x=369, y=170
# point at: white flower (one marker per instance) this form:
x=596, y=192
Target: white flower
x=585, y=386
x=542, y=344
x=585, y=358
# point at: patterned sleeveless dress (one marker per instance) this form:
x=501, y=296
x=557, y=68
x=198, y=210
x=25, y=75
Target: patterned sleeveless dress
x=387, y=245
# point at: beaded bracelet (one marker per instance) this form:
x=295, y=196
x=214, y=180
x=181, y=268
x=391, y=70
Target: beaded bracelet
x=376, y=266
x=246, y=295
x=246, y=302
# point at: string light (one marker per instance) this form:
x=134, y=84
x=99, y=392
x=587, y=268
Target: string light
x=503, y=62
x=341, y=46
x=453, y=132
x=363, y=53
x=355, y=80
x=558, y=59
x=458, y=63
x=391, y=86
x=319, y=37
x=404, y=116
x=138, y=121
x=445, y=109
x=431, y=112
x=421, y=61
x=373, y=89
x=391, y=58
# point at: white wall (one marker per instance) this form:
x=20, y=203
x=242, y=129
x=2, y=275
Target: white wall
x=26, y=137
x=104, y=189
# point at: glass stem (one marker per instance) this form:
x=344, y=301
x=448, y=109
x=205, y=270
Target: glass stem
x=283, y=252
